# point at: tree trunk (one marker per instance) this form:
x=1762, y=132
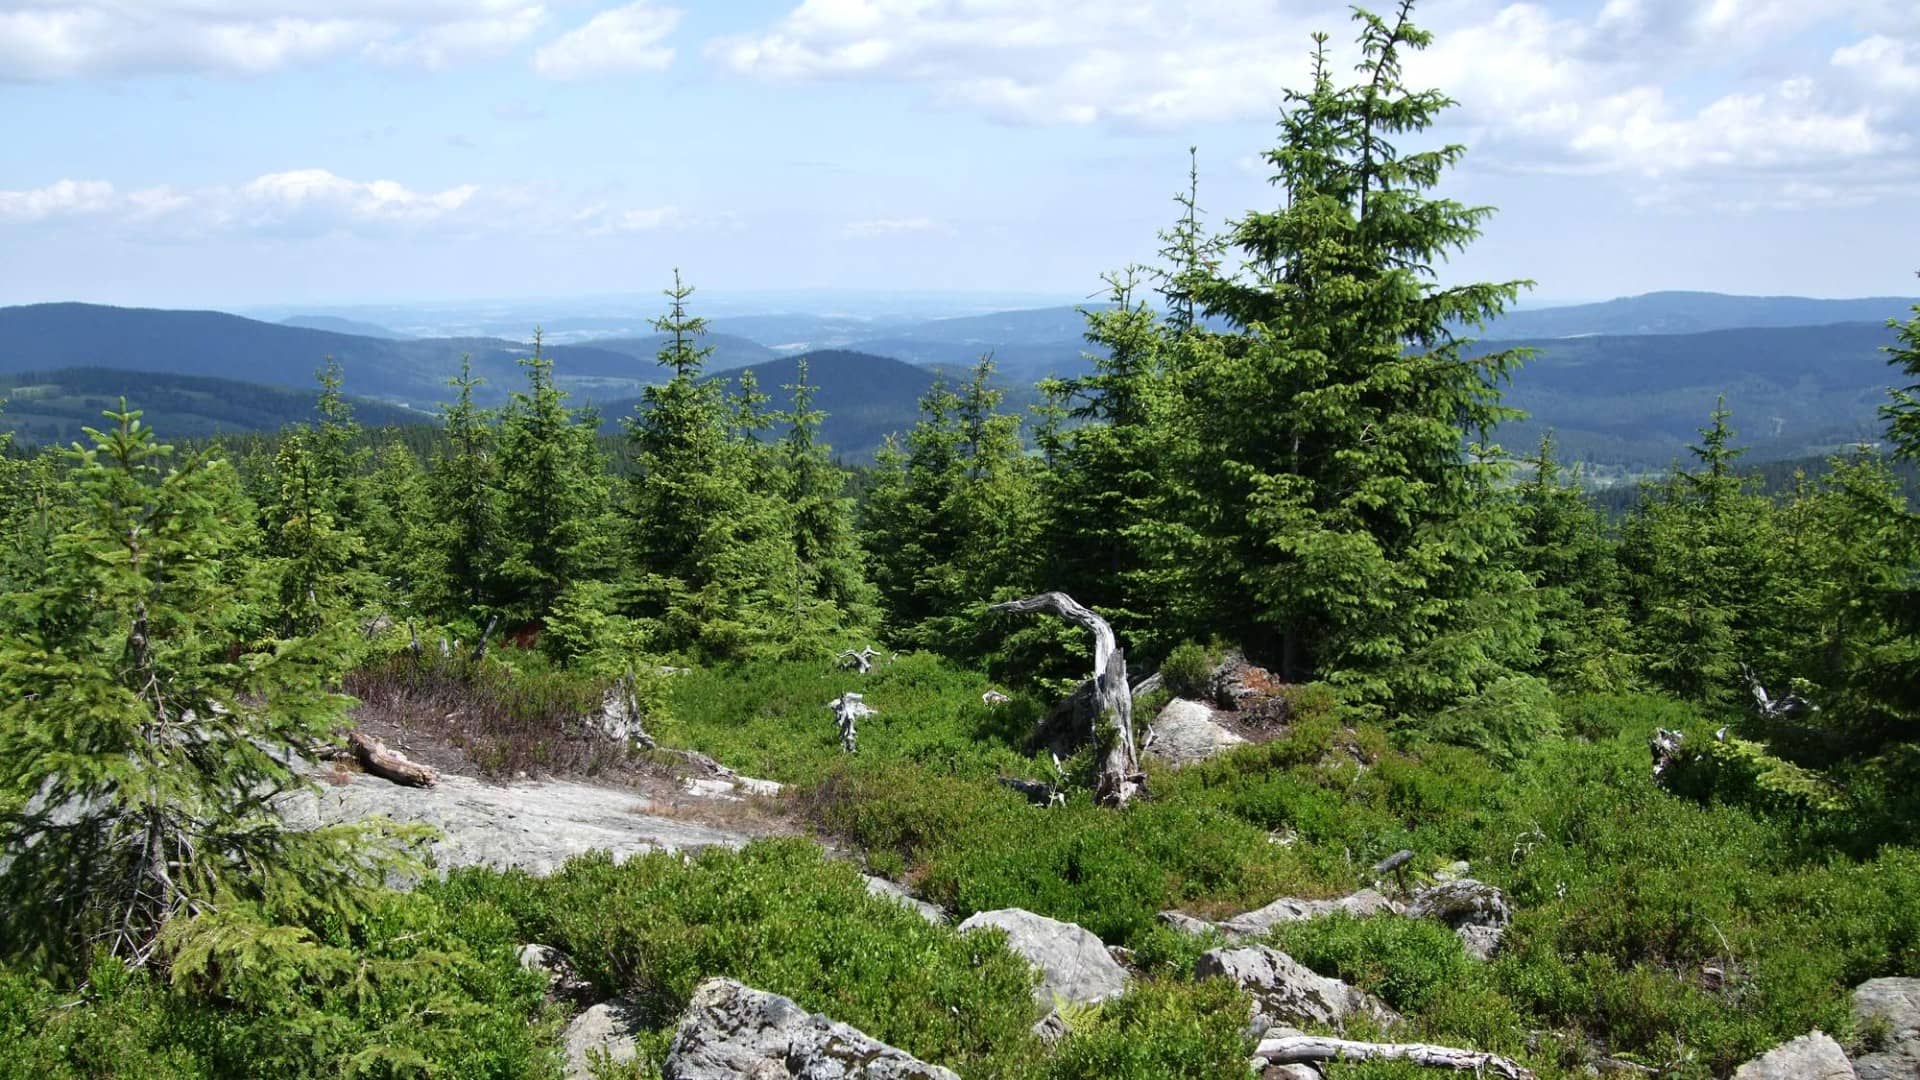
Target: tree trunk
x=1312, y=1049
x=374, y=757
x=1120, y=775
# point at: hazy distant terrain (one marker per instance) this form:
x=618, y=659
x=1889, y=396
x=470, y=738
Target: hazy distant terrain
x=54, y=407
x=1623, y=383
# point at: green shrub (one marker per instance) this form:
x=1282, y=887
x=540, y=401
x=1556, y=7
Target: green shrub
x=1188, y=672
x=1160, y=1030
x=778, y=916
x=1503, y=721
x=417, y=988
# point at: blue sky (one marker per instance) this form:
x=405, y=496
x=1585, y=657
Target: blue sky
x=237, y=152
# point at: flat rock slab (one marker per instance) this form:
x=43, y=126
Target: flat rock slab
x=1286, y=991
x=887, y=890
x=1364, y=903
x=1074, y=965
x=1809, y=1057
x=733, y=1031
x=607, y=1030
x=534, y=826
x=1891, y=1006
x=1186, y=733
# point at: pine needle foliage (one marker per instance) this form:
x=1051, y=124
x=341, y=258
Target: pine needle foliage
x=144, y=734
x=1340, y=417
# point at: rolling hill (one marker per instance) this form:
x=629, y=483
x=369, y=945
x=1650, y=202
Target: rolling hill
x=1640, y=399
x=1694, y=312
x=54, y=406
x=338, y=325
x=212, y=344
x=865, y=397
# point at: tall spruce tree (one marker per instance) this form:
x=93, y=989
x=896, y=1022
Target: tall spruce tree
x=1104, y=482
x=465, y=536
x=312, y=513
x=144, y=731
x=830, y=593
x=1565, y=551
x=1337, y=421
x=1701, y=554
x=954, y=517
x=553, y=494
x=711, y=557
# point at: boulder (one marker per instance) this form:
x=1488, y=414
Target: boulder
x=1185, y=733
x=731, y=1031
x=1889, y=1010
x=1285, y=991
x=1360, y=905
x=1477, y=912
x=1074, y=966
x=1809, y=1057
x=1237, y=683
x=605, y=1031
x=881, y=887
x=563, y=982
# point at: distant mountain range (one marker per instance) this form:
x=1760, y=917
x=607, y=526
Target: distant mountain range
x=1807, y=376
x=1694, y=312
x=54, y=407
x=338, y=325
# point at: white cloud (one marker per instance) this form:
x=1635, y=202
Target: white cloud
x=1134, y=62
x=319, y=197
x=620, y=41
x=61, y=198
x=299, y=200
x=65, y=39
x=1541, y=85
x=1885, y=63
x=895, y=227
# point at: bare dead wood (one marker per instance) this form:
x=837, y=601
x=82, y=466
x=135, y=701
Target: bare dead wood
x=1790, y=707
x=392, y=765
x=480, y=650
x=1120, y=776
x=1314, y=1049
x=1038, y=792
x=862, y=660
x=848, y=708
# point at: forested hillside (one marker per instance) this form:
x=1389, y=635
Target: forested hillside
x=1237, y=710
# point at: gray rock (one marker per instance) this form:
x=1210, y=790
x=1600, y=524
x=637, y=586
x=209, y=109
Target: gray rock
x=1188, y=924
x=1290, y=1072
x=1074, y=965
x=881, y=887
x=1360, y=905
x=1286, y=991
x=606, y=1030
x=562, y=980
x=1477, y=912
x=1809, y=1057
x=733, y=1032
x=1185, y=733
x=530, y=826
x=1890, y=1007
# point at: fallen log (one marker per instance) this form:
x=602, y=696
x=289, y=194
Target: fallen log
x=1314, y=1049
x=392, y=765
x=1120, y=775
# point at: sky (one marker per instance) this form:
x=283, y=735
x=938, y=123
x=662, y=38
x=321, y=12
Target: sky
x=223, y=153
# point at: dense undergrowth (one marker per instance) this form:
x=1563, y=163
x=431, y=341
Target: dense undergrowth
x=1626, y=896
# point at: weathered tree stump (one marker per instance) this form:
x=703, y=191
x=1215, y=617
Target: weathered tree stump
x=1120, y=776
